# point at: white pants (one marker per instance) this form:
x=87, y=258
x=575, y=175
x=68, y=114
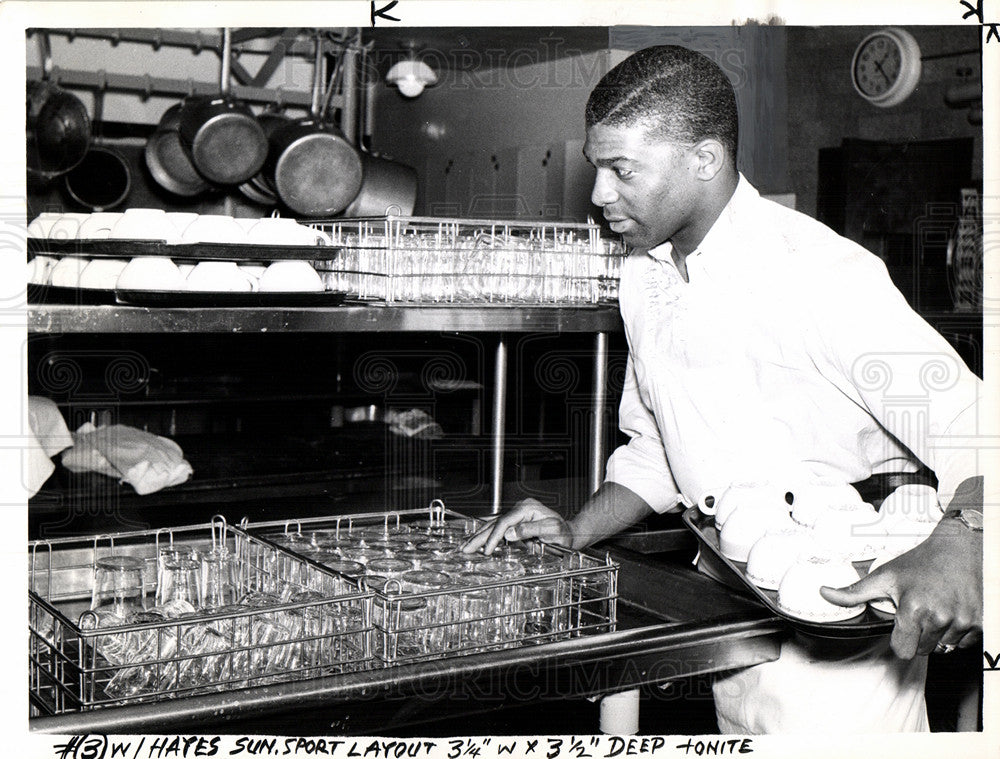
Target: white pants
x=803, y=691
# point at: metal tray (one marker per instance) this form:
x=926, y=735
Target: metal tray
x=870, y=624
x=76, y=296
x=201, y=251
x=198, y=299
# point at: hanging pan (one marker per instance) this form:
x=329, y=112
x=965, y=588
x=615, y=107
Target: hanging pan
x=226, y=143
x=167, y=160
x=311, y=164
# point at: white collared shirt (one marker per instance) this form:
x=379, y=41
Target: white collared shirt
x=788, y=355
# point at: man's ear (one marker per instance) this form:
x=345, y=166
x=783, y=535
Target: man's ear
x=710, y=157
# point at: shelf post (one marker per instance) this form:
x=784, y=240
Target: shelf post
x=599, y=397
x=499, y=422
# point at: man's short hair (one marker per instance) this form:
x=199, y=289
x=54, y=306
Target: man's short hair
x=681, y=95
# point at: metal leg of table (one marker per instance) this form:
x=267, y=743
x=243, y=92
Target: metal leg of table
x=499, y=422
x=599, y=396
x=620, y=713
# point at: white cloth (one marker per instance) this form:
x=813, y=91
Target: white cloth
x=788, y=355
x=145, y=461
x=48, y=436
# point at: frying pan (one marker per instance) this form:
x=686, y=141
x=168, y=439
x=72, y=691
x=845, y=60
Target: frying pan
x=226, y=143
x=314, y=169
x=168, y=161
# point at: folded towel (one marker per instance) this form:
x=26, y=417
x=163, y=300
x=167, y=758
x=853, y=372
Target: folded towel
x=145, y=461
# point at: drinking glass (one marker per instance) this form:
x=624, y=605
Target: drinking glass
x=219, y=582
x=439, y=634
x=180, y=582
x=438, y=547
x=509, y=598
x=118, y=586
x=450, y=567
x=390, y=568
x=347, y=574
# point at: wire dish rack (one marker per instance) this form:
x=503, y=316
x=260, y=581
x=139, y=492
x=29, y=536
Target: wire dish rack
x=470, y=261
x=289, y=619
x=432, y=601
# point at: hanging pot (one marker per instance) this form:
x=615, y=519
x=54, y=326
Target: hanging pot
x=314, y=169
x=167, y=160
x=226, y=143
x=387, y=188
x=58, y=130
x=100, y=181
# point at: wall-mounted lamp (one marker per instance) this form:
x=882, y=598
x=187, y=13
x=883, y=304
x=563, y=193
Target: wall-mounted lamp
x=411, y=76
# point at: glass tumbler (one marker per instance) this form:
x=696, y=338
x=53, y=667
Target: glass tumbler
x=180, y=582
x=478, y=610
x=509, y=599
x=450, y=567
x=219, y=583
x=439, y=634
x=118, y=586
x=390, y=569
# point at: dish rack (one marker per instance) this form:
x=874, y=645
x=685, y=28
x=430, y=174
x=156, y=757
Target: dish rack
x=295, y=620
x=443, y=261
x=573, y=594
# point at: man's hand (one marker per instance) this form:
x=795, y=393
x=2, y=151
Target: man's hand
x=528, y=519
x=937, y=588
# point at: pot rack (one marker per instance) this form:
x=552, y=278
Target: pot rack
x=249, y=87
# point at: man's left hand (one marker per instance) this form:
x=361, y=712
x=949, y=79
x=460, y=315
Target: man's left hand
x=937, y=588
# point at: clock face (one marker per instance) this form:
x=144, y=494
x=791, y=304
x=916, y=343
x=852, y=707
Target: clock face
x=886, y=67
x=877, y=65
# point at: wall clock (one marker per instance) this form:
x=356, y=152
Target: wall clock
x=886, y=67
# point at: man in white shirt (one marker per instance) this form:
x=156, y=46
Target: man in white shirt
x=763, y=347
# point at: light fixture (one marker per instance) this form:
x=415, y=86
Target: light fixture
x=411, y=76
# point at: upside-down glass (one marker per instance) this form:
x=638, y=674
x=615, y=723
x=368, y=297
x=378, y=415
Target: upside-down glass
x=219, y=581
x=546, y=596
x=439, y=634
x=510, y=598
x=118, y=586
x=180, y=581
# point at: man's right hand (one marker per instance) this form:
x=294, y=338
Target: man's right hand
x=528, y=519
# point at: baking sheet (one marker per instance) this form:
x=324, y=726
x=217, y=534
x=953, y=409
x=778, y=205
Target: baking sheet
x=201, y=251
x=78, y=296
x=198, y=299
x=870, y=624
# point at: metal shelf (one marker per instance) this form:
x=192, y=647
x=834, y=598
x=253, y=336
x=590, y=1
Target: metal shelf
x=113, y=319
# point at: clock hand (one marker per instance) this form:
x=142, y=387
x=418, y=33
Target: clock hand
x=878, y=65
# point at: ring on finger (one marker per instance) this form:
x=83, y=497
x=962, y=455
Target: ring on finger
x=944, y=648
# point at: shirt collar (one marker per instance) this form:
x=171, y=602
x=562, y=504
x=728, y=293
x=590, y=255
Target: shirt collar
x=723, y=234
